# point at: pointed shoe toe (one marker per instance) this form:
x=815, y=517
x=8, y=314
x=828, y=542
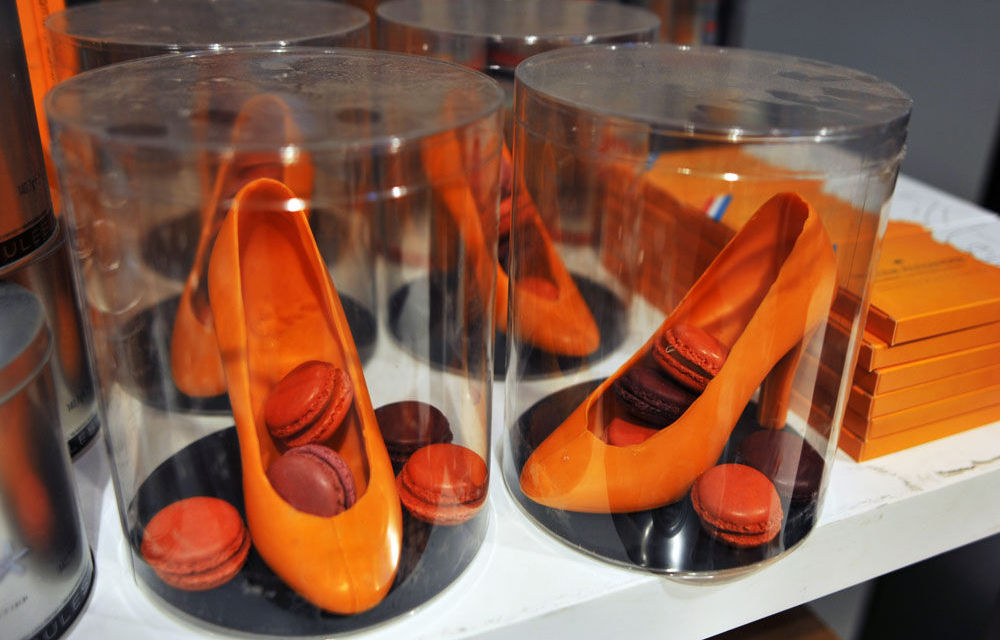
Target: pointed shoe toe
x=275, y=308
x=764, y=295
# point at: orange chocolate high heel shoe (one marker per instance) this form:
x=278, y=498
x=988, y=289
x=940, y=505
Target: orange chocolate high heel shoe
x=765, y=293
x=552, y=315
x=194, y=354
x=275, y=307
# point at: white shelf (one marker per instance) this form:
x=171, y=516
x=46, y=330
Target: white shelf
x=877, y=516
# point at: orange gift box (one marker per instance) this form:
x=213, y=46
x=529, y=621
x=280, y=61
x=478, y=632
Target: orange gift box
x=876, y=353
x=870, y=406
x=925, y=288
x=861, y=449
x=921, y=414
x=908, y=374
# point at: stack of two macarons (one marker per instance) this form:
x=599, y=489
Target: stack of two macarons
x=303, y=410
x=660, y=387
x=438, y=482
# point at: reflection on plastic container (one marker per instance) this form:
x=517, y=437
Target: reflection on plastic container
x=345, y=477
x=740, y=193
x=46, y=569
x=97, y=34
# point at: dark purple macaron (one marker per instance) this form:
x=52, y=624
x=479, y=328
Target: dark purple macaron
x=410, y=425
x=790, y=462
x=313, y=478
x=651, y=396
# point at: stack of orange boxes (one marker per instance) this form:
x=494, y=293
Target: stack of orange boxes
x=929, y=363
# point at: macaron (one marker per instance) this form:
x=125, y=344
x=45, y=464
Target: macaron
x=309, y=403
x=690, y=355
x=443, y=484
x=650, y=396
x=314, y=479
x=790, y=462
x=409, y=425
x=738, y=505
x=622, y=433
x=196, y=543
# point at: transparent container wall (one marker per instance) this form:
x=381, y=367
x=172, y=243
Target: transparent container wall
x=275, y=361
x=94, y=35
x=677, y=373
x=495, y=36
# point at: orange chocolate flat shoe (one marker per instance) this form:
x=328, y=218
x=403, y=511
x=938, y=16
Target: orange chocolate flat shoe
x=194, y=354
x=274, y=308
x=761, y=298
x=552, y=315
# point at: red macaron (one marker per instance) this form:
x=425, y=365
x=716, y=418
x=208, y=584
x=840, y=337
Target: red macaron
x=408, y=425
x=443, y=484
x=690, y=355
x=309, y=403
x=196, y=543
x=622, y=433
x=314, y=479
x=738, y=505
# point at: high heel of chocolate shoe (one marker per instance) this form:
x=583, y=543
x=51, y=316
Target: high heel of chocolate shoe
x=194, y=355
x=776, y=390
x=275, y=308
x=769, y=287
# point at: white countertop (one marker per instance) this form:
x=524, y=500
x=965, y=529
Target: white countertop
x=877, y=516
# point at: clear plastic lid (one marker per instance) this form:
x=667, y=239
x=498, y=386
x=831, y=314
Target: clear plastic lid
x=496, y=35
x=343, y=100
x=645, y=92
x=150, y=26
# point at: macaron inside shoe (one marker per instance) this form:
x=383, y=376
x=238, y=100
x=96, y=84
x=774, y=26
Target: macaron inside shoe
x=314, y=479
x=196, y=543
x=651, y=396
x=309, y=403
x=690, y=355
x=738, y=505
x=443, y=484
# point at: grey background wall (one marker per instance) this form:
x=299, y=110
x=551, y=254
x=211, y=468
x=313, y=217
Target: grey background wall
x=945, y=54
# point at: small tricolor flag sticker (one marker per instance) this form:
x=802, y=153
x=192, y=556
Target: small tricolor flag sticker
x=716, y=207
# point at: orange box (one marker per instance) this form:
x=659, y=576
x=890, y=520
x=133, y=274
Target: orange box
x=925, y=288
x=876, y=353
x=861, y=449
x=870, y=406
x=921, y=414
x=912, y=373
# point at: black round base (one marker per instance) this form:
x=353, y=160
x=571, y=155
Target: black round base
x=258, y=601
x=424, y=319
x=169, y=247
x=146, y=350
x=669, y=539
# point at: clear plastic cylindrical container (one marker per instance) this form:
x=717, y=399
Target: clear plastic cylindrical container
x=741, y=198
x=344, y=477
x=93, y=35
x=494, y=37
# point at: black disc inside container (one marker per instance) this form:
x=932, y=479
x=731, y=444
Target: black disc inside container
x=258, y=601
x=426, y=320
x=668, y=539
